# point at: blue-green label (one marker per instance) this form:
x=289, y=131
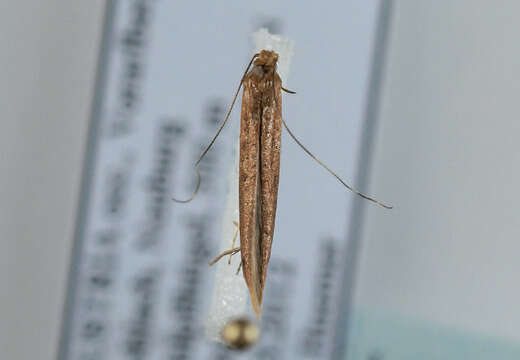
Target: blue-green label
x=374, y=336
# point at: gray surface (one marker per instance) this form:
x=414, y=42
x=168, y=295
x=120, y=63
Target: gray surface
x=448, y=153
x=47, y=67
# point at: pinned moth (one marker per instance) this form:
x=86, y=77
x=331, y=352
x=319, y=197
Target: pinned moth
x=259, y=168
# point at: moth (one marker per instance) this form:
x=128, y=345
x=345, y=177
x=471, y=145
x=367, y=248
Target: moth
x=259, y=168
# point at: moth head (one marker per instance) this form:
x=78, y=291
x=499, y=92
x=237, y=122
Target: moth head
x=267, y=58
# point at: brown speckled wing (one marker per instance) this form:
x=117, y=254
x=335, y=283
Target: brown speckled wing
x=249, y=188
x=270, y=142
x=260, y=136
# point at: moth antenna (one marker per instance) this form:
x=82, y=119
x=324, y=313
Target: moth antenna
x=332, y=172
x=288, y=91
x=216, y=135
x=229, y=111
x=194, y=193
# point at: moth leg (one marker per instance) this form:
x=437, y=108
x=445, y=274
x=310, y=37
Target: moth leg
x=233, y=241
x=239, y=267
x=231, y=251
x=224, y=253
x=288, y=91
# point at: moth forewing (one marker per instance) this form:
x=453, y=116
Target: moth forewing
x=260, y=137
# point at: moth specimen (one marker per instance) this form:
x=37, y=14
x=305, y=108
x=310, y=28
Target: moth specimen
x=259, y=167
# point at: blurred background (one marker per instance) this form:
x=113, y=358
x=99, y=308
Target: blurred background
x=106, y=106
